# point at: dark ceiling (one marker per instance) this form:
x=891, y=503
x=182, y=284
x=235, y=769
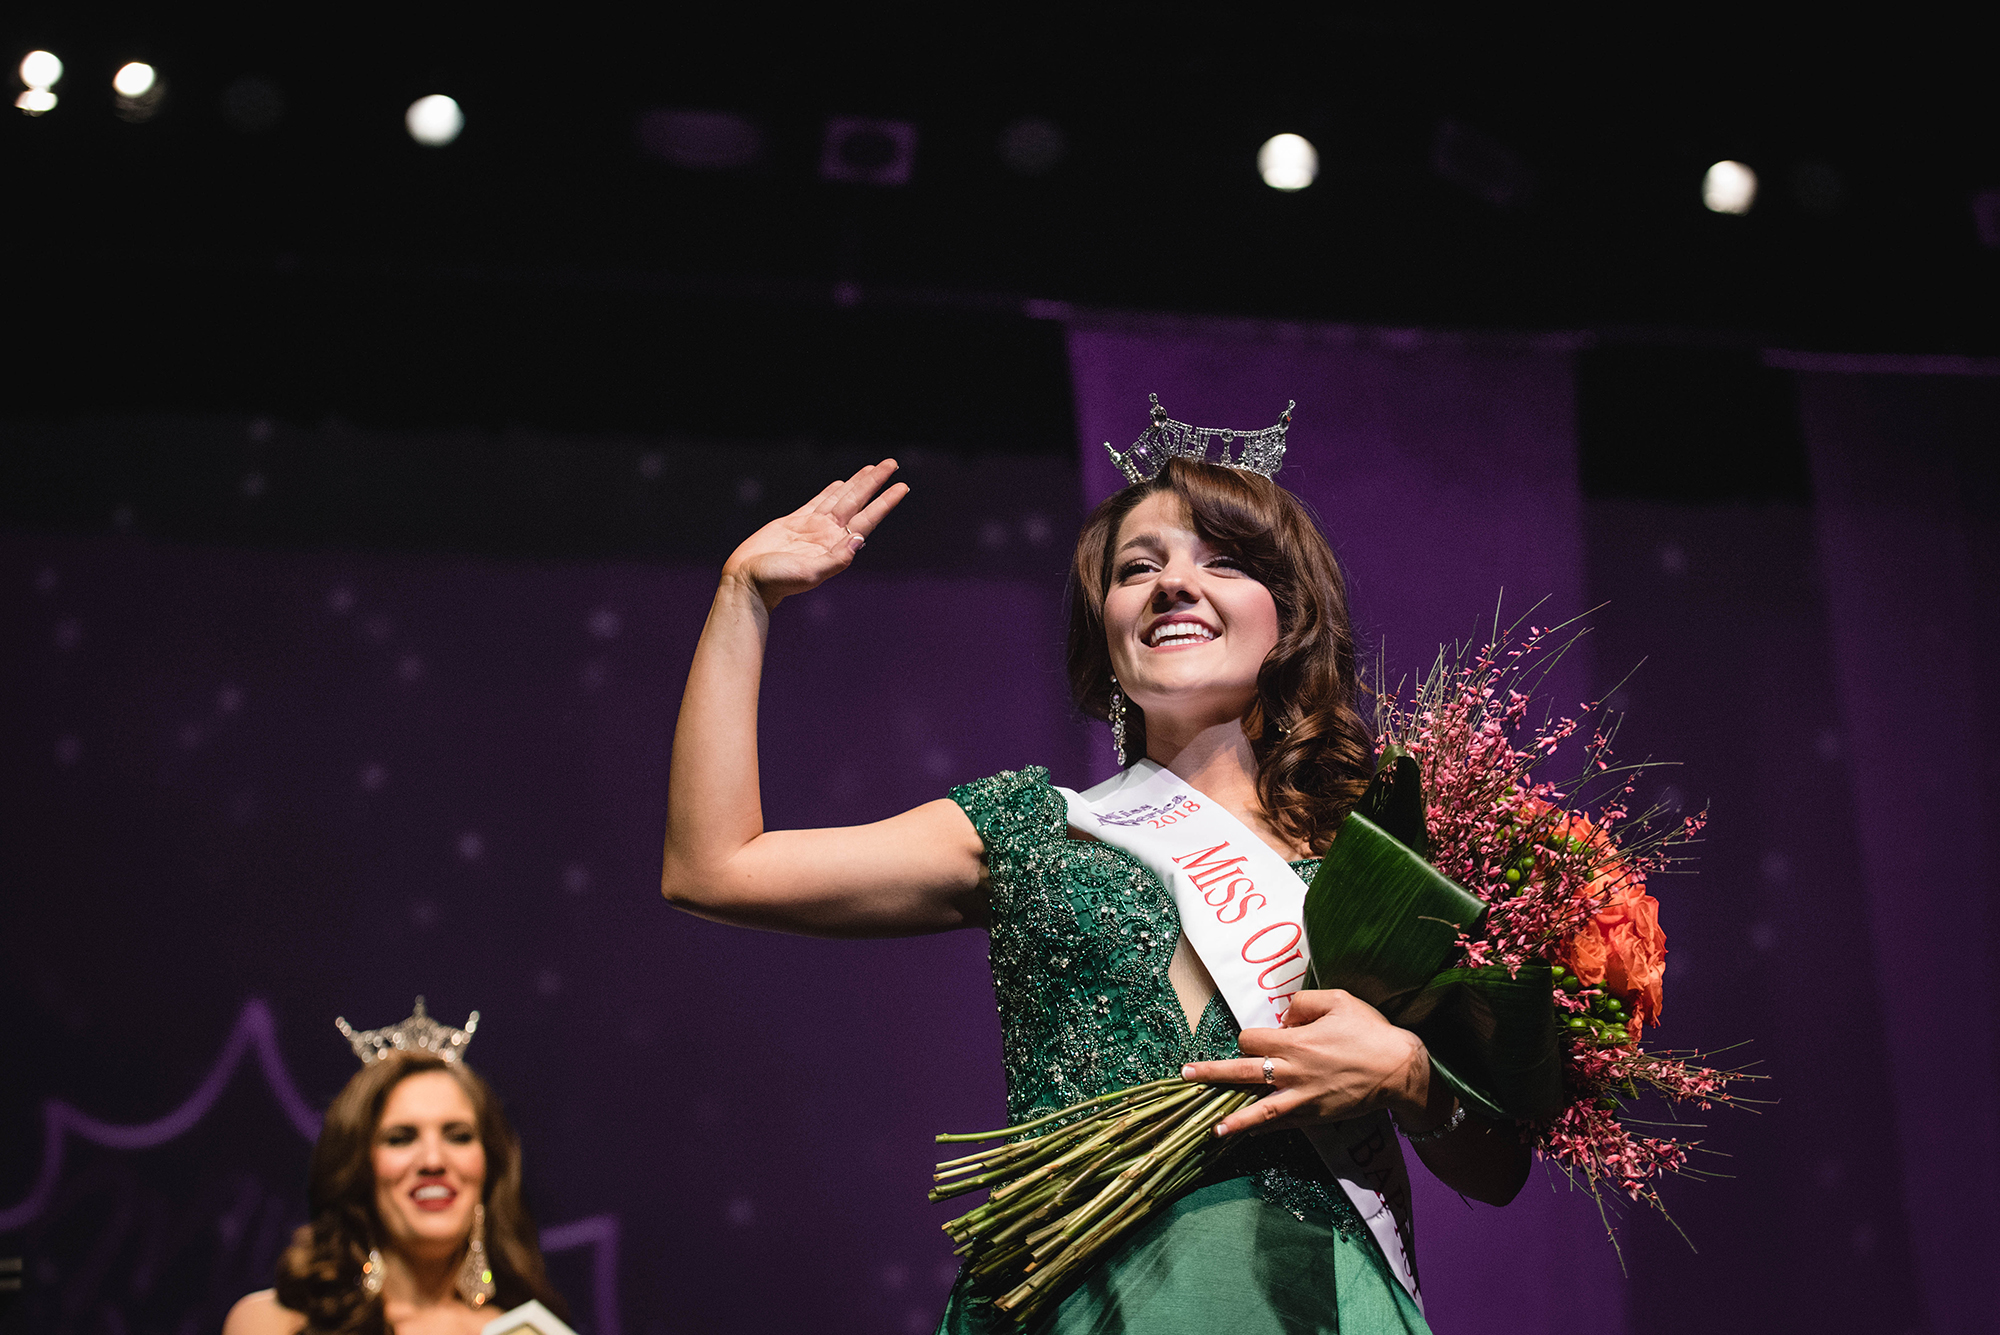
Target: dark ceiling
x=1484, y=171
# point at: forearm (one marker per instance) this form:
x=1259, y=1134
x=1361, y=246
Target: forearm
x=714, y=804
x=920, y=871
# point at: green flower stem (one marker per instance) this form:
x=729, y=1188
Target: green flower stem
x=1020, y=1149
x=1105, y=1135
x=1127, y=1146
x=1049, y=1145
x=1071, y=1242
x=1057, y=1201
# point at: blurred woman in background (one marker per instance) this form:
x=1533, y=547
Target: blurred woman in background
x=417, y=1224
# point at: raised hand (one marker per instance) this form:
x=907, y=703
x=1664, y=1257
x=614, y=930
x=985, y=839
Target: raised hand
x=818, y=540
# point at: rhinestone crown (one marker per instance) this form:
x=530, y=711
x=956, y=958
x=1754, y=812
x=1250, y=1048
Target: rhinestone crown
x=419, y=1033
x=1261, y=452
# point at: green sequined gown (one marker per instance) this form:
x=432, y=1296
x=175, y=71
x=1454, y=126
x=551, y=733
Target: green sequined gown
x=1082, y=936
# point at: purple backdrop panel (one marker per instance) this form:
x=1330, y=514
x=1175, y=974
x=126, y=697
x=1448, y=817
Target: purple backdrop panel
x=332, y=781
x=1445, y=470
x=1769, y=957
x=1903, y=467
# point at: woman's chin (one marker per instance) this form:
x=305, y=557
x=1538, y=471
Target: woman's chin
x=1193, y=704
x=434, y=1237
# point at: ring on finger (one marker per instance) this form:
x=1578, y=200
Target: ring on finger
x=1270, y=1072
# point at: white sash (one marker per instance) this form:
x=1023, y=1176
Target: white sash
x=1243, y=910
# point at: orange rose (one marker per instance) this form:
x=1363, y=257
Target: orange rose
x=1587, y=954
x=1624, y=949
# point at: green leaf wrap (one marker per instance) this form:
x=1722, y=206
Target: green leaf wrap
x=1494, y=1038
x=1382, y=921
x=1383, y=924
x=1395, y=801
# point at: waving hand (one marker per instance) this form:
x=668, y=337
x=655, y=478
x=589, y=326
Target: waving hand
x=817, y=541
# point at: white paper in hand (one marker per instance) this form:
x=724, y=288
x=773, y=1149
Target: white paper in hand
x=530, y=1318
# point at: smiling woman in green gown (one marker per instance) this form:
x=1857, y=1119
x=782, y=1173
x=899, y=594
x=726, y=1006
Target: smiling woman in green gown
x=1207, y=610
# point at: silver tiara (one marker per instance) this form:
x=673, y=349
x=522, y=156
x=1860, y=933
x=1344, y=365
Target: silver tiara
x=1260, y=452
x=419, y=1033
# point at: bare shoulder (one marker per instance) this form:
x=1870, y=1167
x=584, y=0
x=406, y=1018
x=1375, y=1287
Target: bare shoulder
x=261, y=1313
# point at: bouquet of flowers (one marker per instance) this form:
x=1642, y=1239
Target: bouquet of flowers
x=1560, y=872
x=1501, y=917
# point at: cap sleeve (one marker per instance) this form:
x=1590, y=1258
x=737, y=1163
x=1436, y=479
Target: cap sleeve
x=1018, y=814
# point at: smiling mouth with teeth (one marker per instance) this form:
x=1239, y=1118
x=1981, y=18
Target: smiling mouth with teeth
x=1178, y=632
x=433, y=1193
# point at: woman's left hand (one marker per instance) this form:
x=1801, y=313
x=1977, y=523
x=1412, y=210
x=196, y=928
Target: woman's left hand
x=1335, y=1058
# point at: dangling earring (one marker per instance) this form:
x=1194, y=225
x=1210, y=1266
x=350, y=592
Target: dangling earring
x=475, y=1273
x=1117, y=721
x=371, y=1274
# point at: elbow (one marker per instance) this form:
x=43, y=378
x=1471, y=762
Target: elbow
x=1507, y=1181
x=1500, y=1193
x=685, y=887
x=707, y=885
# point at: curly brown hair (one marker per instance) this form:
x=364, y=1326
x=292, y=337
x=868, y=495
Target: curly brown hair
x=1315, y=763
x=319, y=1274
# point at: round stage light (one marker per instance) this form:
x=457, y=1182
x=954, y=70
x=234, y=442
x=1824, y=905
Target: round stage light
x=1287, y=162
x=134, y=80
x=1729, y=187
x=40, y=70
x=434, y=121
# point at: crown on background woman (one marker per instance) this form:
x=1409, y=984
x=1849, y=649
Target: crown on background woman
x=419, y=1033
x=1262, y=452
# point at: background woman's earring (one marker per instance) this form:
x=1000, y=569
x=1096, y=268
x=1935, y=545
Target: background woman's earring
x=1117, y=721
x=371, y=1274
x=475, y=1273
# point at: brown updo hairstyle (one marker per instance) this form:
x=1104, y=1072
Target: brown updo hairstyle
x=320, y=1273
x=1314, y=754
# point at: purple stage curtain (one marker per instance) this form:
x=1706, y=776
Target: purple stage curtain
x=330, y=780
x=1907, y=487
x=1444, y=470
x=336, y=780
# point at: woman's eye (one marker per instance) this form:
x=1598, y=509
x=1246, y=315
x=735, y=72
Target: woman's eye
x=1131, y=568
x=460, y=1135
x=399, y=1135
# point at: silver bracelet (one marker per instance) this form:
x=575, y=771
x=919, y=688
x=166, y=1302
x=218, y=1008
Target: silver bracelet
x=1451, y=1124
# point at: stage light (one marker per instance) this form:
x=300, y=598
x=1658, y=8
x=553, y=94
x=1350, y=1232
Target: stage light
x=139, y=88
x=434, y=121
x=1729, y=187
x=134, y=80
x=40, y=71
x=1287, y=162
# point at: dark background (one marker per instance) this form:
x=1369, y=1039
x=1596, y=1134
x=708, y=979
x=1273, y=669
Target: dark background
x=361, y=502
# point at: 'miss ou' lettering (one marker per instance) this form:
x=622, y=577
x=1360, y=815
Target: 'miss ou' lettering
x=1226, y=889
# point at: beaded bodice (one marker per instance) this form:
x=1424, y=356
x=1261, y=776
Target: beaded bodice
x=1082, y=934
